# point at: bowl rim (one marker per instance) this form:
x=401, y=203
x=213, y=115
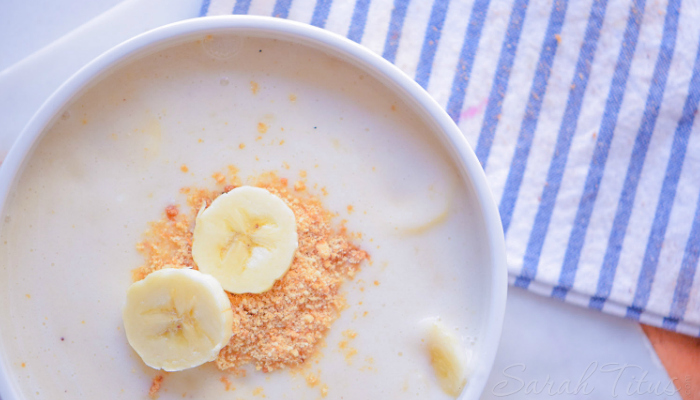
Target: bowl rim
x=354, y=52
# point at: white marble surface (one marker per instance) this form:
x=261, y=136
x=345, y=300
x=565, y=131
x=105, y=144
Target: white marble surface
x=548, y=349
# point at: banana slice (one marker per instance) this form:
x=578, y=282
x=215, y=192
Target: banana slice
x=246, y=239
x=177, y=318
x=448, y=359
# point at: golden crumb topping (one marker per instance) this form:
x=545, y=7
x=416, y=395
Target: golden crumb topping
x=155, y=386
x=283, y=327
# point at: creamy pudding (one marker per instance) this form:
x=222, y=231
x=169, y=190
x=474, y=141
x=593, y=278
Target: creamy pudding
x=120, y=152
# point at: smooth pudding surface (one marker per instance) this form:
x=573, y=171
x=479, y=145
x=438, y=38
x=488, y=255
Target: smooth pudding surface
x=115, y=160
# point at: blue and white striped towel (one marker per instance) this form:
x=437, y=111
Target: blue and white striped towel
x=583, y=114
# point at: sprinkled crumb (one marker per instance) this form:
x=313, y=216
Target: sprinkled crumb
x=348, y=351
x=262, y=127
x=311, y=380
x=350, y=334
x=155, y=386
x=241, y=146
x=171, y=211
x=285, y=326
x=300, y=186
x=324, y=390
x=227, y=384
x=254, y=87
x=219, y=177
x=184, y=168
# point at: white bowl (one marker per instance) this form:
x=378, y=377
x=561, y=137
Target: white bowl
x=493, y=286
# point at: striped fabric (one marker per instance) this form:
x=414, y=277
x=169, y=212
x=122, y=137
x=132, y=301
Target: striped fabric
x=583, y=114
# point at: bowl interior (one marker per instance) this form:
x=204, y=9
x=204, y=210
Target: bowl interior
x=105, y=156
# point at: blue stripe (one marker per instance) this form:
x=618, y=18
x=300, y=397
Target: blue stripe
x=600, y=153
x=534, y=105
x=281, y=9
x=323, y=7
x=430, y=42
x=204, y=9
x=641, y=144
x=595, y=22
x=241, y=7
x=466, y=58
x=500, y=81
x=687, y=272
x=391, y=44
x=557, y=166
x=668, y=190
x=359, y=19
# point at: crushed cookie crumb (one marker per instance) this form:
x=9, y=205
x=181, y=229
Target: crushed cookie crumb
x=171, y=212
x=350, y=334
x=285, y=326
x=167, y=244
x=350, y=209
x=350, y=354
x=241, y=146
x=323, y=249
x=227, y=384
x=184, y=168
x=155, y=386
x=324, y=390
x=311, y=380
x=300, y=186
x=348, y=351
x=219, y=177
x=262, y=127
x=254, y=87
x=258, y=391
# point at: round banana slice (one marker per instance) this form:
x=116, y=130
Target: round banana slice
x=246, y=239
x=177, y=318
